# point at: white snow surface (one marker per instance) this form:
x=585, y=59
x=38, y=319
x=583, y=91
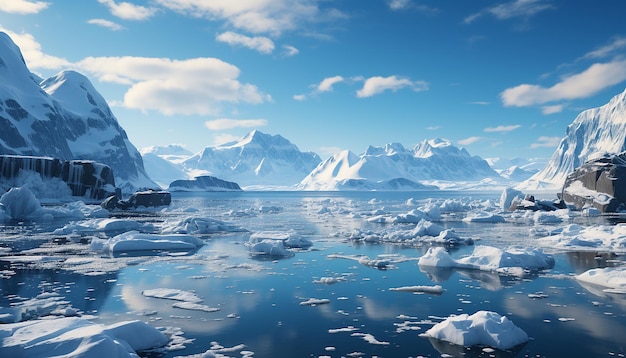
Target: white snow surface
x=435, y=159
x=137, y=241
x=74, y=337
x=574, y=237
x=613, y=278
x=514, y=261
x=483, y=328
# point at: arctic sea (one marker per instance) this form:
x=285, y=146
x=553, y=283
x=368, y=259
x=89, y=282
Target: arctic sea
x=324, y=300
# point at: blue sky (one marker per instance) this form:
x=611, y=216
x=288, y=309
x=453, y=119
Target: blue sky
x=499, y=78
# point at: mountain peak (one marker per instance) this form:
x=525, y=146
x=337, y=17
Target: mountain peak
x=594, y=133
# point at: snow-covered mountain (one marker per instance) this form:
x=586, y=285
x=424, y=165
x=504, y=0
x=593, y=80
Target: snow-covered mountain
x=62, y=117
x=593, y=134
x=517, y=169
x=255, y=160
x=435, y=159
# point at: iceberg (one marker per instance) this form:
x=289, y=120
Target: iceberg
x=483, y=328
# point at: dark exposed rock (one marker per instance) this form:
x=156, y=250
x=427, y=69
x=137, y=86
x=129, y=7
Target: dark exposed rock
x=85, y=178
x=148, y=198
x=598, y=183
x=530, y=203
x=203, y=183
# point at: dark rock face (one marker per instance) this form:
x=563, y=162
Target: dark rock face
x=530, y=203
x=85, y=178
x=148, y=198
x=600, y=183
x=203, y=183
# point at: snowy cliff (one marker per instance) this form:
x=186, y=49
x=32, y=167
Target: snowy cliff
x=62, y=117
x=435, y=159
x=593, y=134
x=257, y=159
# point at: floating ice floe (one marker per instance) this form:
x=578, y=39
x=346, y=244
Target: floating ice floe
x=276, y=243
x=379, y=263
x=593, y=238
x=172, y=294
x=42, y=305
x=21, y=204
x=136, y=241
x=514, y=261
x=483, y=328
x=437, y=289
x=107, y=225
x=483, y=217
x=73, y=337
x=613, y=278
x=425, y=232
x=198, y=226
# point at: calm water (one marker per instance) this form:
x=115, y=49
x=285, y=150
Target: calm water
x=259, y=300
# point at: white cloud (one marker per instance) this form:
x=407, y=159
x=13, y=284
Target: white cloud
x=299, y=97
x=376, y=85
x=581, y=85
x=470, y=140
x=33, y=54
x=106, y=23
x=502, y=128
x=227, y=123
x=433, y=128
x=290, y=51
x=23, y=7
x=618, y=43
x=545, y=141
x=516, y=8
x=557, y=108
x=481, y=103
x=258, y=43
x=258, y=16
x=128, y=11
x=327, y=83
x=193, y=86
x=399, y=4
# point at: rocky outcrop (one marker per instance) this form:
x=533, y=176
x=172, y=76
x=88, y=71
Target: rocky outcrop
x=204, y=183
x=148, y=199
x=85, y=178
x=598, y=183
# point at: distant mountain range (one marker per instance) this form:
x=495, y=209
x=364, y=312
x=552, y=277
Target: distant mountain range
x=62, y=117
x=66, y=118
x=435, y=159
x=593, y=134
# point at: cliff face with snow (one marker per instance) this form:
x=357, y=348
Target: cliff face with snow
x=435, y=159
x=593, y=134
x=62, y=117
x=257, y=159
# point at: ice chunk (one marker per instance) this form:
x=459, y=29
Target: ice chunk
x=172, y=294
x=593, y=238
x=199, y=226
x=483, y=217
x=507, y=197
x=487, y=258
x=75, y=337
x=20, y=204
x=483, y=328
x=136, y=241
x=613, y=278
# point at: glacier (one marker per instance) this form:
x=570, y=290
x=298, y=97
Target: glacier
x=594, y=133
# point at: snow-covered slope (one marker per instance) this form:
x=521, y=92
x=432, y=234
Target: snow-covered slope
x=255, y=160
x=593, y=133
x=62, y=117
x=435, y=159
